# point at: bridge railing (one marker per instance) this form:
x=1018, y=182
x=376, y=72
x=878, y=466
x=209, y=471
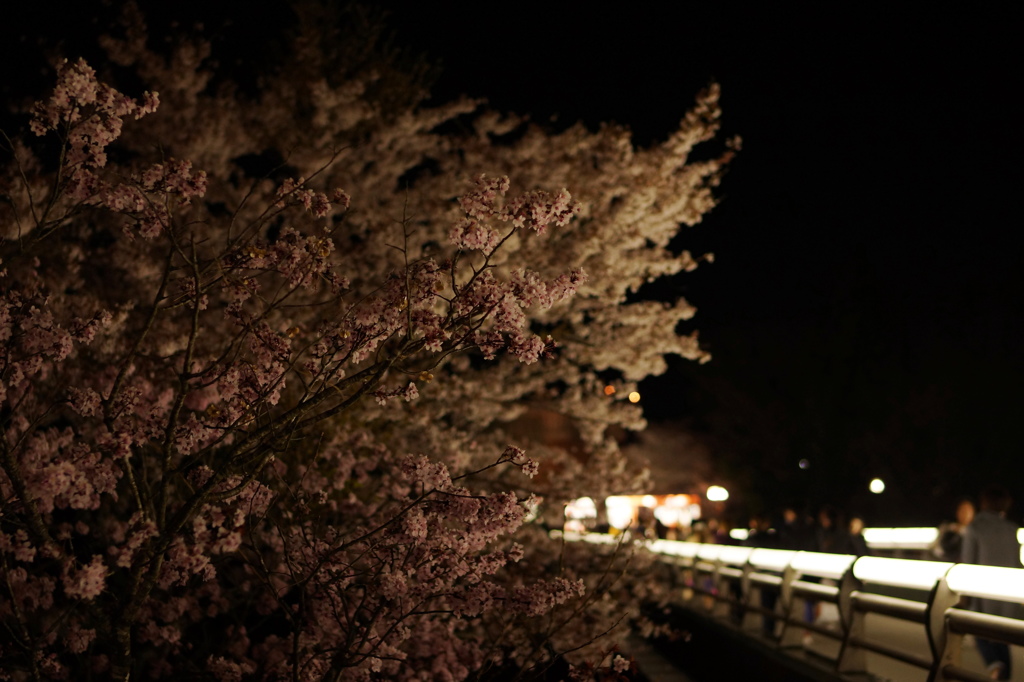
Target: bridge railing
x=772, y=593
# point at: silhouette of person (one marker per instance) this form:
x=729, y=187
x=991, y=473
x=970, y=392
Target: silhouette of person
x=950, y=542
x=991, y=540
x=855, y=543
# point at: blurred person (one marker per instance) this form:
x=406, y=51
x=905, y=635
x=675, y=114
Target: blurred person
x=644, y=526
x=699, y=532
x=794, y=531
x=991, y=540
x=829, y=537
x=713, y=532
x=763, y=535
x=855, y=542
x=948, y=545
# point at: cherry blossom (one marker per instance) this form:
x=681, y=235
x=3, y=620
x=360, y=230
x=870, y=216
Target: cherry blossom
x=257, y=426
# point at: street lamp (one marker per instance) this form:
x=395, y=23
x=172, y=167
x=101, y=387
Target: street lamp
x=717, y=493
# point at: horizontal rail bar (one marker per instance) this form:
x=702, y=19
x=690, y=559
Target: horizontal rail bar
x=955, y=672
x=763, y=610
x=766, y=579
x=904, y=609
x=1009, y=630
x=820, y=592
x=814, y=627
x=879, y=648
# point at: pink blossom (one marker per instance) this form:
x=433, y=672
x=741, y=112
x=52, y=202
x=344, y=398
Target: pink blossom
x=88, y=581
x=220, y=394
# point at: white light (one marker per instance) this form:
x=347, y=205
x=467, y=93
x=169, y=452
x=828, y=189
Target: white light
x=824, y=565
x=648, y=501
x=710, y=552
x=739, y=534
x=771, y=559
x=734, y=556
x=620, y=512
x=921, y=575
x=717, y=493
x=877, y=486
x=600, y=539
x=582, y=508
x=900, y=538
x=667, y=515
x=675, y=547
x=992, y=582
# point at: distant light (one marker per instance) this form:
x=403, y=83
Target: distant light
x=740, y=534
x=609, y=390
x=581, y=508
x=649, y=501
x=634, y=397
x=717, y=493
x=804, y=463
x=877, y=486
x=900, y=538
x=620, y=511
x=670, y=516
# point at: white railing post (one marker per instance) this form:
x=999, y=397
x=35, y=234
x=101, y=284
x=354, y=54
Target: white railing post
x=946, y=645
x=730, y=580
x=791, y=635
x=748, y=592
x=852, y=657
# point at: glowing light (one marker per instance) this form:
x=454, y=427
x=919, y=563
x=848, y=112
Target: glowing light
x=648, y=501
x=717, y=493
x=824, y=565
x=620, y=511
x=670, y=516
x=921, y=575
x=734, y=556
x=771, y=559
x=676, y=548
x=609, y=390
x=634, y=397
x=583, y=508
x=709, y=552
x=804, y=463
x=877, y=486
x=739, y=534
x=992, y=582
x=900, y=538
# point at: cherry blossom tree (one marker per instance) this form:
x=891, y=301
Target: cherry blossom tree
x=261, y=355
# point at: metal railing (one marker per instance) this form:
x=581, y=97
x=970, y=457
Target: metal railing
x=767, y=593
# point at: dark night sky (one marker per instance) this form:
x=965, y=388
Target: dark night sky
x=865, y=306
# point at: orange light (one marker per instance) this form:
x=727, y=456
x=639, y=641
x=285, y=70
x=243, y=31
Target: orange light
x=634, y=397
x=609, y=390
